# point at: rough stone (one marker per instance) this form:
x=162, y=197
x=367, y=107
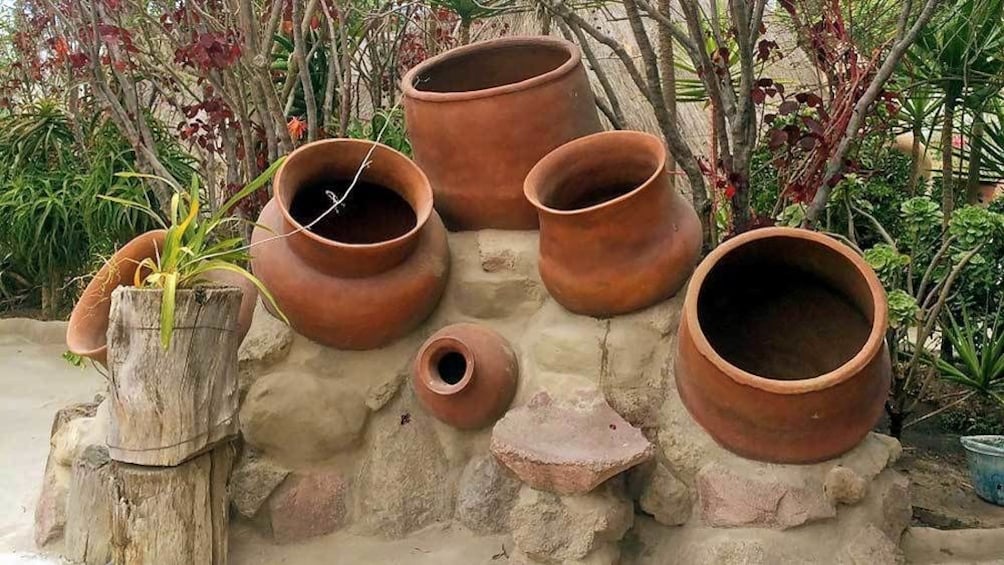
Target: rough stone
x=295, y=417
x=557, y=529
x=634, y=370
x=380, y=393
x=487, y=494
x=892, y=497
x=66, y=440
x=843, y=485
x=870, y=547
x=255, y=477
x=732, y=499
x=568, y=447
x=929, y=546
x=404, y=481
x=268, y=340
x=666, y=498
x=306, y=506
x=495, y=274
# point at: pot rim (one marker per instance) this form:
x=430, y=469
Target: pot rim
x=872, y=346
x=544, y=167
x=422, y=213
x=432, y=352
x=979, y=444
x=574, y=59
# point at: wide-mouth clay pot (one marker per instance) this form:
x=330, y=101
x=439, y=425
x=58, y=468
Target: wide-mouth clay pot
x=480, y=116
x=782, y=353
x=369, y=271
x=465, y=375
x=614, y=235
x=86, y=334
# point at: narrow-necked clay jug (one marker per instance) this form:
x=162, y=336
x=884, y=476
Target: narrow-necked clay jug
x=465, y=375
x=370, y=270
x=782, y=353
x=86, y=334
x=480, y=116
x=614, y=235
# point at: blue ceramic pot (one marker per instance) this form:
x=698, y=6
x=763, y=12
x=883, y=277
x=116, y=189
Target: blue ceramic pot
x=986, y=466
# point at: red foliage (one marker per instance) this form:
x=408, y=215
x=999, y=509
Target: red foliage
x=210, y=50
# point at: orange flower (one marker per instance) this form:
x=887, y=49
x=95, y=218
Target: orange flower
x=296, y=127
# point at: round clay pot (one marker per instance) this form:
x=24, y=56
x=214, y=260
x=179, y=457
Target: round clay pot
x=782, y=353
x=465, y=375
x=369, y=272
x=614, y=236
x=480, y=116
x=86, y=334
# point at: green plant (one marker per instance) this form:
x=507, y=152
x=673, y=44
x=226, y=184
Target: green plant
x=978, y=364
x=385, y=125
x=194, y=245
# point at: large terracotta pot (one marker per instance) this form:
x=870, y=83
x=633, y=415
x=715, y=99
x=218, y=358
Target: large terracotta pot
x=370, y=272
x=782, y=353
x=480, y=116
x=465, y=375
x=86, y=334
x=614, y=236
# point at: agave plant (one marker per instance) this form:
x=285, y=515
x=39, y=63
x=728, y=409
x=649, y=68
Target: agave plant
x=979, y=360
x=194, y=245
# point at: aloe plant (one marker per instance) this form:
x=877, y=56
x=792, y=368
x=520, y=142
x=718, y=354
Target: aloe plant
x=979, y=360
x=194, y=245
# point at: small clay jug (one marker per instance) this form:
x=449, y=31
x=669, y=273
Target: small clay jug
x=465, y=375
x=86, y=334
x=374, y=267
x=614, y=235
x=781, y=350
x=481, y=115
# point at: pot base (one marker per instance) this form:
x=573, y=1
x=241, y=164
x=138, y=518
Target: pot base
x=351, y=313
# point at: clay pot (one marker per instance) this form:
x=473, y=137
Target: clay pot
x=370, y=271
x=480, y=116
x=782, y=353
x=86, y=334
x=614, y=236
x=465, y=375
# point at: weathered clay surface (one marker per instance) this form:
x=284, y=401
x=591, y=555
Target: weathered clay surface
x=559, y=529
x=486, y=495
x=568, y=447
x=307, y=505
x=254, y=478
x=299, y=417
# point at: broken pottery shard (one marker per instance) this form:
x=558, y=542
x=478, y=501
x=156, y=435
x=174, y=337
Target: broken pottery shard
x=568, y=447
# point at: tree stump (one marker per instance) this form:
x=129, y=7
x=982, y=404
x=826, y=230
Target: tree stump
x=172, y=515
x=89, y=508
x=170, y=405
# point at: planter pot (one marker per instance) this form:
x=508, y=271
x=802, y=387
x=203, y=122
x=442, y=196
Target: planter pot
x=782, y=355
x=614, y=236
x=985, y=455
x=86, y=334
x=369, y=272
x=465, y=375
x=480, y=116
x=167, y=406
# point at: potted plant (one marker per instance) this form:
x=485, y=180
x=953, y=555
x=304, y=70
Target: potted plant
x=173, y=335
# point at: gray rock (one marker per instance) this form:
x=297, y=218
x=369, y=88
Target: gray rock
x=487, y=494
x=255, y=477
x=297, y=418
x=666, y=498
x=551, y=528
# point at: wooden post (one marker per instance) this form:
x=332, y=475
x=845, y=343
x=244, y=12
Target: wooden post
x=170, y=405
x=172, y=515
x=89, y=508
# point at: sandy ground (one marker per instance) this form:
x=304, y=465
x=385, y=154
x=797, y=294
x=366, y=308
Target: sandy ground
x=35, y=382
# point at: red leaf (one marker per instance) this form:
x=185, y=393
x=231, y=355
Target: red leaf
x=758, y=95
x=776, y=139
x=787, y=107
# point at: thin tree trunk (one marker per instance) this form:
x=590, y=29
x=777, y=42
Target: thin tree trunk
x=915, y=156
x=667, y=69
x=975, y=159
x=947, y=180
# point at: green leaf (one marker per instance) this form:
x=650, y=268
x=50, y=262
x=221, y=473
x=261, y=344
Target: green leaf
x=167, y=305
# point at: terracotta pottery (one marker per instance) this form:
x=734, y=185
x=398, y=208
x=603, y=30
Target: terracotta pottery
x=465, y=375
x=480, y=116
x=370, y=271
x=614, y=236
x=782, y=353
x=86, y=334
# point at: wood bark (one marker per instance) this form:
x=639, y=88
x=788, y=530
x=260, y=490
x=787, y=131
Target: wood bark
x=168, y=405
x=172, y=515
x=89, y=508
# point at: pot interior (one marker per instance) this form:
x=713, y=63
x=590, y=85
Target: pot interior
x=785, y=308
x=372, y=213
x=586, y=182
x=451, y=367
x=490, y=66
